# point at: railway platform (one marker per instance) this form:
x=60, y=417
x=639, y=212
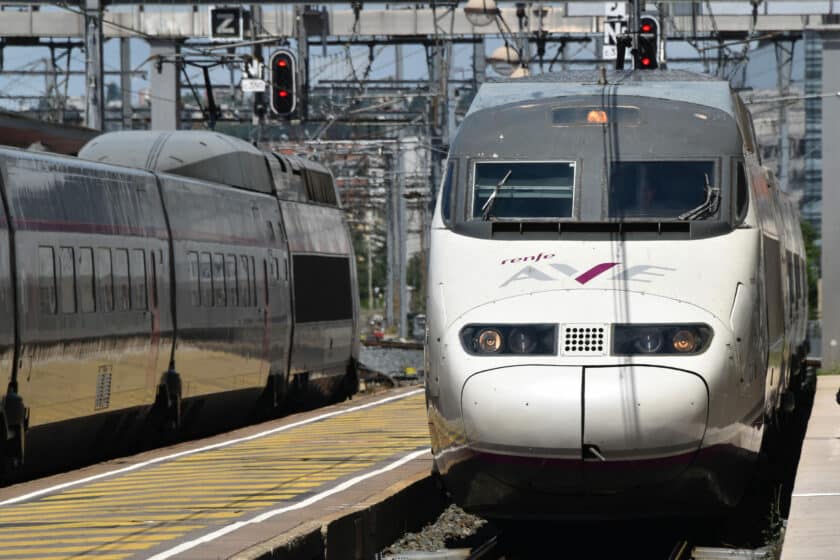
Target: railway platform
x=310, y=485
x=813, y=530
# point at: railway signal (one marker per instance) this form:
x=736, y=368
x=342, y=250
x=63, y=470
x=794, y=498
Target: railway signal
x=283, y=70
x=646, y=55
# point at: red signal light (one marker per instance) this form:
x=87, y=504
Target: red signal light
x=283, y=93
x=282, y=63
x=647, y=28
x=645, y=61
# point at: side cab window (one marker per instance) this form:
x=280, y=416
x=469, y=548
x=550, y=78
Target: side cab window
x=446, y=192
x=741, y=199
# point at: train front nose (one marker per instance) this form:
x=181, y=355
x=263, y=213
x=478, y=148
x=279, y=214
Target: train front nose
x=594, y=429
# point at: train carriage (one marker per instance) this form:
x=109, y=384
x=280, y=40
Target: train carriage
x=612, y=312
x=149, y=285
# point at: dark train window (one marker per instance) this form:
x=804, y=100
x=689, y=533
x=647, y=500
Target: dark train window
x=205, y=273
x=253, y=283
x=230, y=278
x=312, y=302
x=46, y=275
x=244, y=281
x=275, y=269
x=271, y=234
x=138, y=279
x=121, y=282
x=658, y=189
x=104, y=279
x=153, y=280
x=319, y=187
x=742, y=192
x=523, y=189
x=67, y=275
x=192, y=257
x=85, y=280
x=219, y=295
x=446, y=192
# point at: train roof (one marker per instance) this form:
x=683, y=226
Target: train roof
x=198, y=154
x=672, y=85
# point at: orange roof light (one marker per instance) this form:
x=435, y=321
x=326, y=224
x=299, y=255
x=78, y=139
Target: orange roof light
x=596, y=117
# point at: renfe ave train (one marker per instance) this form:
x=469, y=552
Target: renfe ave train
x=617, y=299
x=167, y=278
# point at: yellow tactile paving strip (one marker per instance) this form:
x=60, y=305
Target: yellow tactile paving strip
x=130, y=514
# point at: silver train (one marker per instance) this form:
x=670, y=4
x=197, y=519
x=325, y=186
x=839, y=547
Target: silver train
x=166, y=279
x=617, y=299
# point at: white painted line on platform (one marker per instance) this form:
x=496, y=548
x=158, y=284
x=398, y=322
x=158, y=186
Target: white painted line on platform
x=815, y=494
x=183, y=547
x=64, y=485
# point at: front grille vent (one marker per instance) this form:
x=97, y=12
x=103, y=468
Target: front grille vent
x=585, y=340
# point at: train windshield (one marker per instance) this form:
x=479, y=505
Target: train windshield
x=662, y=189
x=523, y=190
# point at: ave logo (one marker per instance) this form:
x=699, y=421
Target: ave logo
x=548, y=272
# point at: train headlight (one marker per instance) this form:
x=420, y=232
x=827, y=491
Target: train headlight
x=521, y=340
x=684, y=341
x=688, y=339
x=648, y=342
x=492, y=340
x=489, y=341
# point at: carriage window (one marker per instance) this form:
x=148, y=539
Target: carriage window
x=85, y=272
x=138, y=279
x=123, y=297
x=195, y=286
x=253, y=283
x=523, y=190
x=275, y=269
x=230, y=276
x=46, y=275
x=658, y=189
x=105, y=279
x=244, y=281
x=205, y=273
x=219, y=280
x=67, y=273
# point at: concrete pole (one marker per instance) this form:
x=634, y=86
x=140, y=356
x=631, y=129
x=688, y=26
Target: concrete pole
x=830, y=202
x=402, y=248
x=390, y=241
x=302, y=62
x=479, y=63
x=94, y=90
x=125, y=81
x=784, y=64
x=369, y=272
x=164, y=86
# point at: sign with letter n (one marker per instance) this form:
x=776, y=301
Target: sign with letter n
x=615, y=24
x=226, y=23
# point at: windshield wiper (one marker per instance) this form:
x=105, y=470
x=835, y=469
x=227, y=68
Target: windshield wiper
x=491, y=200
x=708, y=207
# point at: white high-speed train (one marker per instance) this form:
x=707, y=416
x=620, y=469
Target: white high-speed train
x=617, y=298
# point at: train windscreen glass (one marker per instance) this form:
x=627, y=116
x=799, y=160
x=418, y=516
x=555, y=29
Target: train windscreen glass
x=662, y=189
x=523, y=190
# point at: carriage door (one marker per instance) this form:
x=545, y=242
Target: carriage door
x=266, y=342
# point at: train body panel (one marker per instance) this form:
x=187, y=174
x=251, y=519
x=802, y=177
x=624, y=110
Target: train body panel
x=234, y=321
x=601, y=340
x=324, y=322
x=84, y=249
